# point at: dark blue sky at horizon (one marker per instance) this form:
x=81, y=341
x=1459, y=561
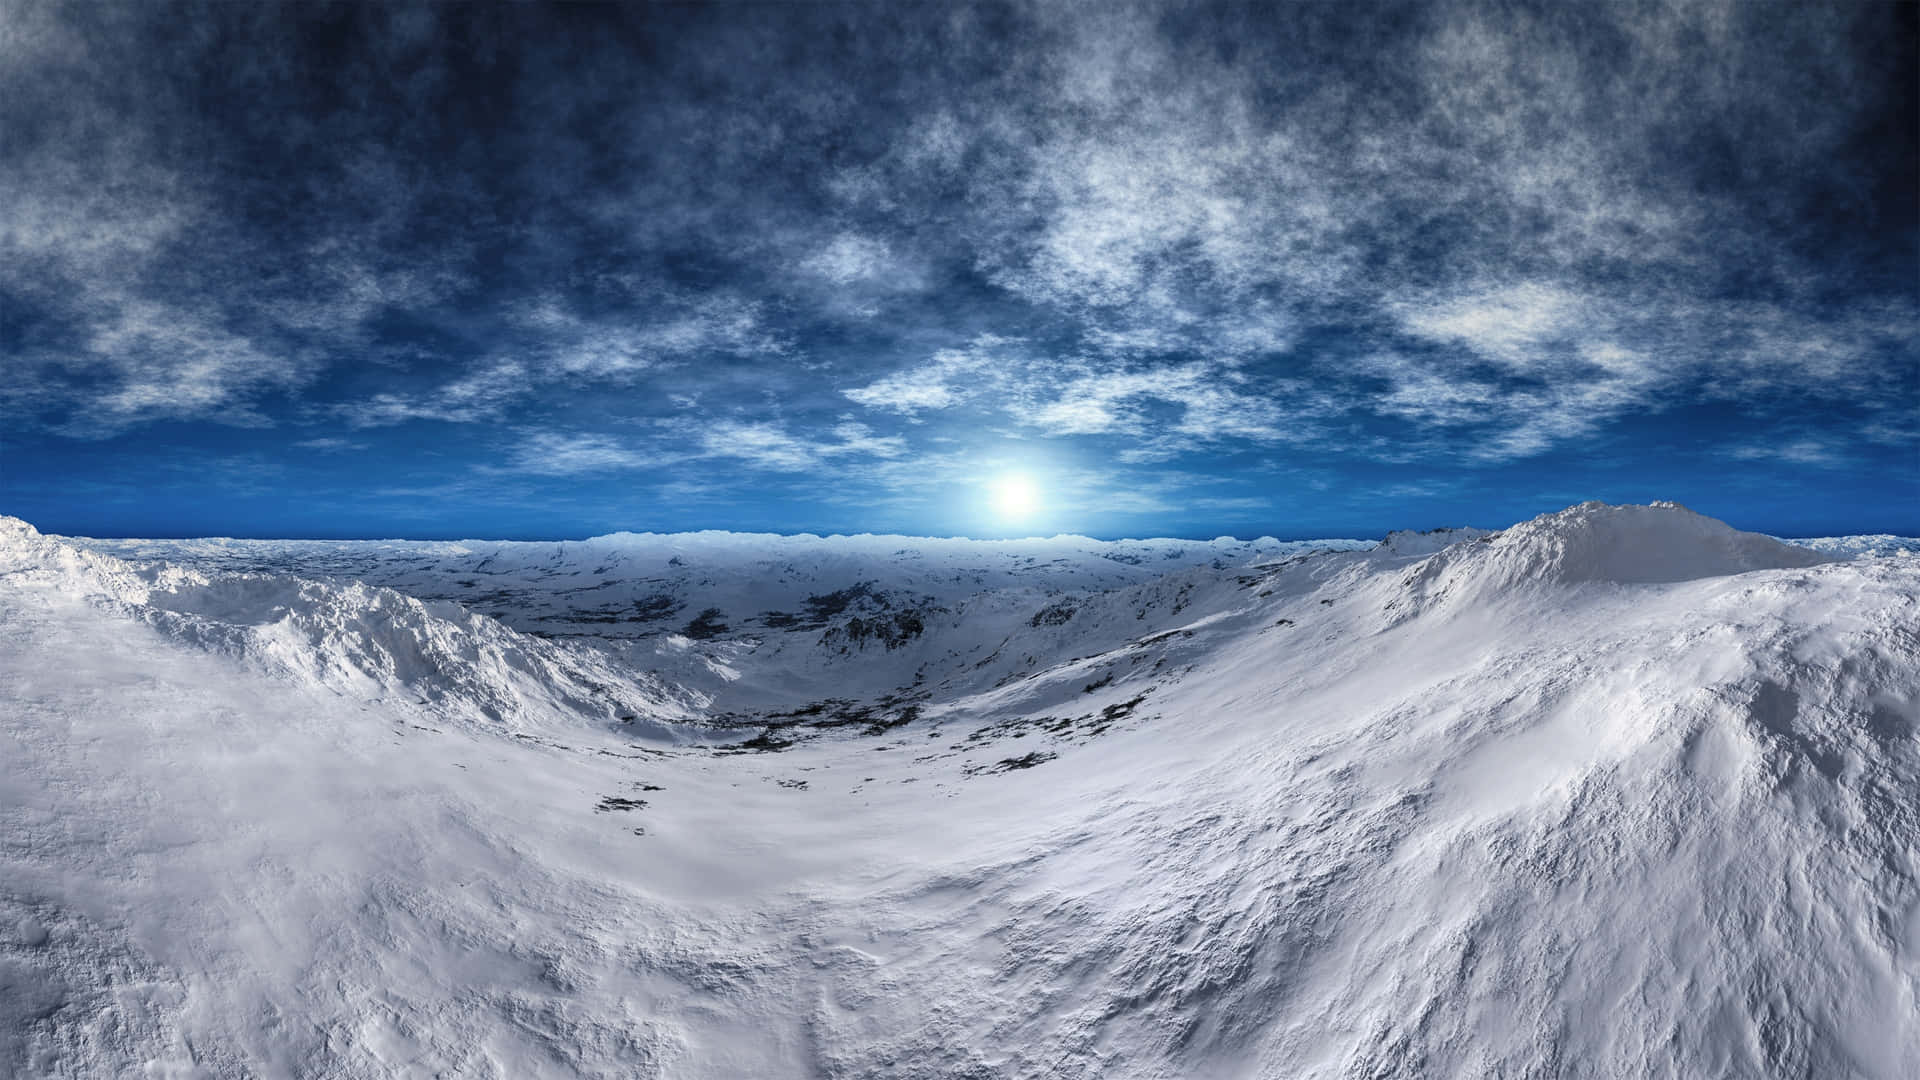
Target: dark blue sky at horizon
x=1190, y=269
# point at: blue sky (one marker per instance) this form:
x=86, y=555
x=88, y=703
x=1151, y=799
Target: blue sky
x=1299, y=270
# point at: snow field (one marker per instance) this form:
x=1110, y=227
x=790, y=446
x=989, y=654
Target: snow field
x=1616, y=792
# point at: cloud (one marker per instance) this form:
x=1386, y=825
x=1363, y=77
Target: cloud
x=553, y=346
x=140, y=287
x=950, y=377
x=1815, y=452
x=1892, y=430
x=569, y=344
x=1102, y=401
x=849, y=258
x=1470, y=233
x=139, y=362
x=1057, y=398
x=765, y=445
x=482, y=394
x=1506, y=192
x=1512, y=325
x=1550, y=366
x=671, y=449
x=328, y=444
x=554, y=454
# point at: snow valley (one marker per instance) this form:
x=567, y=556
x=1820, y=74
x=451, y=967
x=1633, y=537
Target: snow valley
x=1618, y=791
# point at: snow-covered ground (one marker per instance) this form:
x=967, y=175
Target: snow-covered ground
x=1615, y=792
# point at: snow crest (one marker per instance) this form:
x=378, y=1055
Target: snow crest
x=1871, y=546
x=1403, y=542
x=358, y=640
x=1599, y=543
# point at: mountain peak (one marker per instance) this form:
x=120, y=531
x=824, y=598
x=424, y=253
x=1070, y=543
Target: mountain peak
x=1634, y=544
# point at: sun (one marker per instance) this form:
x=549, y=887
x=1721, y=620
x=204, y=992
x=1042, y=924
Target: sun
x=1015, y=496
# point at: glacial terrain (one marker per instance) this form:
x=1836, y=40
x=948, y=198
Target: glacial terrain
x=1619, y=791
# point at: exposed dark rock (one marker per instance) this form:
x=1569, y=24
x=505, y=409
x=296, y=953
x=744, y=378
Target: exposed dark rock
x=891, y=629
x=1024, y=761
x=655, y=607
x=822, y=607
x=1058, y=613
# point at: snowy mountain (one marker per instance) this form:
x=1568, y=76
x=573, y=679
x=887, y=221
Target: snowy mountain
x=1619, y=791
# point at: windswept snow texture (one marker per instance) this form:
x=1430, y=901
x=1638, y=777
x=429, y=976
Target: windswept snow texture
x=1877, y=545
x=1616, y=792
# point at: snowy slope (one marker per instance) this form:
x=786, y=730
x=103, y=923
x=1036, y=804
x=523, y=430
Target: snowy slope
x=746, y=621
x=1879, y=545
x=647, y=584
x=1615, y=792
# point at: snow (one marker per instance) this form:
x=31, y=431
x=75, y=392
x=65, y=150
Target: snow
x=1877, y=545
x=1428, y=541
x=1617, y=791
x=1594, y=543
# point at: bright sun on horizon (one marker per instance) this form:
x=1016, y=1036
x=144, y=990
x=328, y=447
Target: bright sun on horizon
x=1015, y=497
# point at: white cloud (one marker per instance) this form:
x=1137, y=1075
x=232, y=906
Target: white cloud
x=328, y=444
x=481, y=394
x=951, y=377
x=1817, y=452
x=1058, y=398
x=570, y=344
x=1420, y=391
x=1534, y=364
x=1893, y=430
x=1485, y=184
x=553, y=454
x=759, y=444
x=567, y=345
x=849, y=258
x=161, y=362
x=1512, y=325
x=768, y=445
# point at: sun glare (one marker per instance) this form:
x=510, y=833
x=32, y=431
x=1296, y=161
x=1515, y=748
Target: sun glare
x=1015, y=497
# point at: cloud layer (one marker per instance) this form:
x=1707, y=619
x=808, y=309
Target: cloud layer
x=847, y=245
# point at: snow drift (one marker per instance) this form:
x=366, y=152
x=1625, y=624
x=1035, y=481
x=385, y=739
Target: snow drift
x=1619, y=791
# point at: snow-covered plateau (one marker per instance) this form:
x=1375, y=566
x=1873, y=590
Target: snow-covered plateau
x=1615, y=792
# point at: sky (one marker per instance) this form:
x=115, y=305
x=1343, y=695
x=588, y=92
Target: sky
x=998, y=269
